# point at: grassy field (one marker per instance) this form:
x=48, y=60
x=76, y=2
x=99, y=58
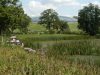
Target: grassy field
x=56, y=54
x=73, y=27
x=36, y=27
x=16, y=61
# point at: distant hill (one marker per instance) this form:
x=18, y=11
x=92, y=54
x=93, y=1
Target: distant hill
x=64, y=18
x=68, y=19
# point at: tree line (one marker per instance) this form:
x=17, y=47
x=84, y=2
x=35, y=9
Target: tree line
x=88, y=20
x=12, y=17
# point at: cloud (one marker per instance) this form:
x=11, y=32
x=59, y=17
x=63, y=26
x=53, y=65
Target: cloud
x=67, y=2
x=34, y=8
x=63, y=7
x=96, y=3
x=62, y=1
x=37, y=4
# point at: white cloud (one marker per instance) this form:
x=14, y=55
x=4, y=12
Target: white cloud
x=73, y=4
x=34, y=8
x=67, y=2
x=61, y=1
x=94, y=2
x=37, y=4
x=97, y=3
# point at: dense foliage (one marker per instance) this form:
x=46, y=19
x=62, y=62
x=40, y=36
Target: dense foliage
x=12, y=16
x=89, y=19
x=50, y=19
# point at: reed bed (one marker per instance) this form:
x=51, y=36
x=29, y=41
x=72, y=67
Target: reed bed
x=53, y=37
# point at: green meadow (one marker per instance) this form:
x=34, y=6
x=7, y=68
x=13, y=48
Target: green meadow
x=56, y=54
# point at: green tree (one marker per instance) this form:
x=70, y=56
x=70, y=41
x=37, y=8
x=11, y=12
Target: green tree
x=76, y=17
x=12, y=16
x=5, y=3
x=48, y=18
x=64, y=26
x=4, y=20
x=89, y=19
x=24, y=21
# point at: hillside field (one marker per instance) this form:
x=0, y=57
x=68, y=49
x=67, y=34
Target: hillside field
x=38, y=27
x=73, y=27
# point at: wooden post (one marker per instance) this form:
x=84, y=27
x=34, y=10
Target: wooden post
x=2, y=39
x=2, y=42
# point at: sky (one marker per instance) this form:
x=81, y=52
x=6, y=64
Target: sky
x=68, y=8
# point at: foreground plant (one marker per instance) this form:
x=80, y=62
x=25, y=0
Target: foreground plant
x=16, y=61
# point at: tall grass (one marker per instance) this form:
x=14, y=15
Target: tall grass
x=64, y=44
x=15, y=61
x=35, y=41
x=75, y=47
x=63, y=55
x=53, y=37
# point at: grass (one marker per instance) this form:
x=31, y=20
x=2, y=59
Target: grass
x=56, y=54
x=16, y=61
x=73, y=27
x=53, y=37
x=75, y=47
x=37, y=41
x=58, y=45
x=33, y=27
x=3, y=39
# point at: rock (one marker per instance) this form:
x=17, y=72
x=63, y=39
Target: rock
x=30, y=50
x=22, y=45
x=14, y=41
x=17, y=41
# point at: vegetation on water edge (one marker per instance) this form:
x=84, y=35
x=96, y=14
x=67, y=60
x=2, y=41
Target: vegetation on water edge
x=53, y=37
x=75, y=47
x=63, y=44
x=56, y=54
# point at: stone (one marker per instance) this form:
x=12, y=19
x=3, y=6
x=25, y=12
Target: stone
x=30, y=50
